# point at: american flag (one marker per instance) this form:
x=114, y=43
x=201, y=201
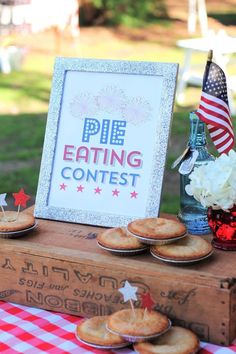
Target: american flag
x=214, y=108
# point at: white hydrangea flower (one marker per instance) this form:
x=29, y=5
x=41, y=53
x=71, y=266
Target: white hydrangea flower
x=214, y=184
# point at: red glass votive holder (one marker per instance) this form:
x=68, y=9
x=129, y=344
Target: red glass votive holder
x=223, y=226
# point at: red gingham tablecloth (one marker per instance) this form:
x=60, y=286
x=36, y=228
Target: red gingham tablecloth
x=32, y=331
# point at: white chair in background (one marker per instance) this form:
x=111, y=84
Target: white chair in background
x=223, y=46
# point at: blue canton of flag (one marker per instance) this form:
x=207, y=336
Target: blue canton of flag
x=214, y=108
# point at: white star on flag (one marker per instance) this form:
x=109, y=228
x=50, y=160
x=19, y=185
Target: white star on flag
x=128, y=291
x=2, y=199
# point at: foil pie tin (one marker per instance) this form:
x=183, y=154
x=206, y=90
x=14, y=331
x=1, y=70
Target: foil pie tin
x=180, y=261
x=99, y=346
x=136, y=339
x=15, y=234
x=120, y=252
x=194, y=352
x=152, y=241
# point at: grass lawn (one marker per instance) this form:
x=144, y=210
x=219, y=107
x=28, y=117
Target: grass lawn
x=25, y=96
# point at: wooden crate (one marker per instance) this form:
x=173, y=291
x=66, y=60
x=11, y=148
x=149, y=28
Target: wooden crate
x=60, y=267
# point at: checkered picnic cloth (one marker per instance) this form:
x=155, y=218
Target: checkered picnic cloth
x=32, y=331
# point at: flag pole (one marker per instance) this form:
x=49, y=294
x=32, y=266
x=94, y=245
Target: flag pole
x=210, y=55
x=208, y=63
x=206, y=72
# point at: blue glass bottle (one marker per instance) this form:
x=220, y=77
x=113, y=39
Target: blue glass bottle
x=192, y=213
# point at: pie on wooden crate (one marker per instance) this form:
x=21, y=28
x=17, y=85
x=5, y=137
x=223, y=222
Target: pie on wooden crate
x=188, y=249
x=118, y=240
x=11, y=221
x=157, y=230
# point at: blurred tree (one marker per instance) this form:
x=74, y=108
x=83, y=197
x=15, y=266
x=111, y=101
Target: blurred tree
x=128, y=12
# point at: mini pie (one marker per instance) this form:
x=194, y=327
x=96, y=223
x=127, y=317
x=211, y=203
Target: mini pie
x=94, y=331
x=188, y=248
x=119, y=238
x=15, y=223
x=144, y=323
x=177, y=340
x=157, y=228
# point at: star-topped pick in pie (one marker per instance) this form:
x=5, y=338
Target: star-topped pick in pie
x=128, y=291
x=13, y=221
x=3, y=199
x=10, y=221
x=147, y=301
x=93, y=332
x=138, y=324
x=21, y=198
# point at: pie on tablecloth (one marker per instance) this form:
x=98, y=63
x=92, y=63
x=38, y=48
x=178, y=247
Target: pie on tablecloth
x=140, y=323
x=94, y=331
x=177, y=340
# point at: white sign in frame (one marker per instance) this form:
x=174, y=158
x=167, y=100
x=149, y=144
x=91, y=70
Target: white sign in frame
x=106, y=141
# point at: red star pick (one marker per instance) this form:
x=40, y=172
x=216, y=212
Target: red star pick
x=21, y=198
x=147, y=301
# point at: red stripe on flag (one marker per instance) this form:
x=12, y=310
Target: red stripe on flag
x=223, y=141
x=215, y=130
x=218, y=136
x=215, y=104
x=214, y=109
x=218, y=113
x=225, y=149
x=212, y=121
x=217, y=125
x=215, y=114
x=221, y=147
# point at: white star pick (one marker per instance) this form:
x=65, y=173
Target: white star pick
x=128, y=291
x=2, y=199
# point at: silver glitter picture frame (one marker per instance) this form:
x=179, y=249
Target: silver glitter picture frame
x=90, y=93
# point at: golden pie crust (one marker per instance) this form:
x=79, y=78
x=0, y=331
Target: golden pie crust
x=188, y=248
x=177, y=340
x=94, y=331
x=144, y=323
x=22, y=222
x=157, y=228
x=118, y=238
